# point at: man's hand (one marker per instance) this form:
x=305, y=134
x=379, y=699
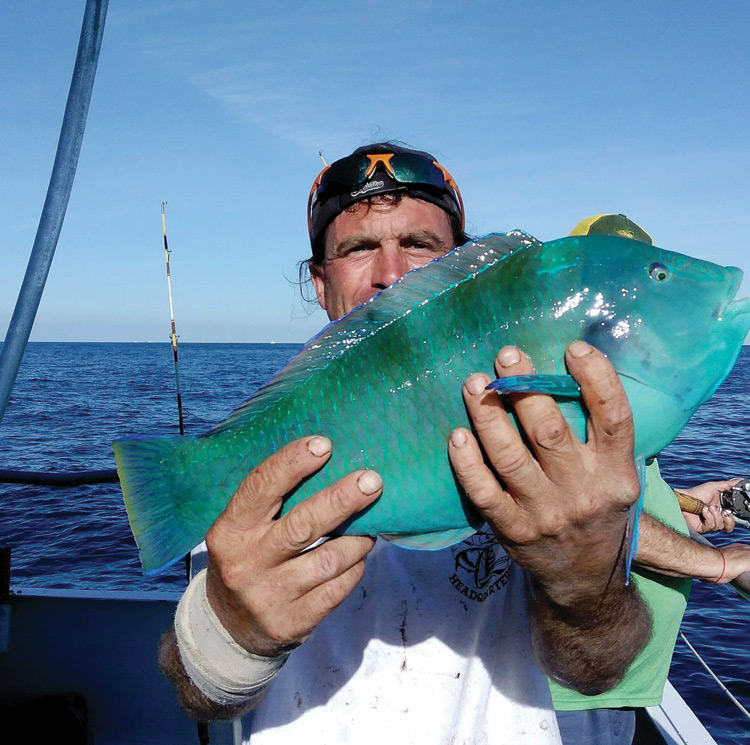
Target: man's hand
x=713, y=516
x=266, y=589
x=736, y=562
x=559, y=507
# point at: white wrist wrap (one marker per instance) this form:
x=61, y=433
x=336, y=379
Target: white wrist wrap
x=219, y=667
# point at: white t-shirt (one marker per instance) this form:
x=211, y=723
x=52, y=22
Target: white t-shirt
x=433, y=647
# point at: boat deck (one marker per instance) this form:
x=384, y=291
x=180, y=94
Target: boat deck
x=103, y=646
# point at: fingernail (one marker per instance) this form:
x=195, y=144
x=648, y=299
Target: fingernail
x=476, y=384
x=319, y=446
x=458, y=438
x=369, y=482
x=726, y=513
x=508, y=356
x=579, y=349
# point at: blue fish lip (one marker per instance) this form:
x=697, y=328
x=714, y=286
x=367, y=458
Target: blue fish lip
x=735, y=307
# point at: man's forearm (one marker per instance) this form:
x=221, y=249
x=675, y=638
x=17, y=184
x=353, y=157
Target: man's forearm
x=662, y=550
x=192, y=700
x=587, y=642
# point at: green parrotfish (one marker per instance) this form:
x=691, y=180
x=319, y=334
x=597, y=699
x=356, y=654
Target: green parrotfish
x=384, y=382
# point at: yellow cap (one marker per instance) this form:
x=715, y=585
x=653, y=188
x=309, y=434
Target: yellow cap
x=611, y=225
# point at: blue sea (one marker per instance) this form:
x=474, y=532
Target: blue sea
x=72, y=399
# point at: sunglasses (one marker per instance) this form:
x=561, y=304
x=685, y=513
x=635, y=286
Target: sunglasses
x=349, y=173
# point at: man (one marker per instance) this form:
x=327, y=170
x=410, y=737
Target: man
x=417, y=652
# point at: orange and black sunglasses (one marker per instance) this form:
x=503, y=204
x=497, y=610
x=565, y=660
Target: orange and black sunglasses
x=350, y=174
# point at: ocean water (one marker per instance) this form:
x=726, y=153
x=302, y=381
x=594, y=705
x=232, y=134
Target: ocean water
x=72, y=399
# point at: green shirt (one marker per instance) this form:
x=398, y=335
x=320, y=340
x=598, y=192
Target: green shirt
x=666, y=598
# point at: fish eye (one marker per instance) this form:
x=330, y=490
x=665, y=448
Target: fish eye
x=658, y=272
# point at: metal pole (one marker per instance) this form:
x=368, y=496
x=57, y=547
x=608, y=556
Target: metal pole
x=173, y=332
x=58, y=194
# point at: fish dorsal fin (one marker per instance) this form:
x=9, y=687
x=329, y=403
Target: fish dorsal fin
x=414, y=289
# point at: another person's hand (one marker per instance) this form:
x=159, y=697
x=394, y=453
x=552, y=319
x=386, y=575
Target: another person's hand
x=558, y=506
x=736, y=561
x=713, y=516
x=266, y=589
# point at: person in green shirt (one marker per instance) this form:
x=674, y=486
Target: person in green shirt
x=609, y=718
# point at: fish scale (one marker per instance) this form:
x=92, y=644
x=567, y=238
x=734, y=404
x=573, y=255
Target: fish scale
x=384, y=382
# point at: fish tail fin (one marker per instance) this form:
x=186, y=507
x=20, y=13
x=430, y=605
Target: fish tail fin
x=634, y=514
x=167, y=517
x=554, y=385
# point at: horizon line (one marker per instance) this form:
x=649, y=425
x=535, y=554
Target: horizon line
x=148, y=341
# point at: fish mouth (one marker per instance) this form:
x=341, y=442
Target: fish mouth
x=735, y=307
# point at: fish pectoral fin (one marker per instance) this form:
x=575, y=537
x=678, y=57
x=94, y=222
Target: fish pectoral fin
x=554, y=385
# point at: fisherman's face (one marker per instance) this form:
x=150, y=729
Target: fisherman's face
x=371, y=246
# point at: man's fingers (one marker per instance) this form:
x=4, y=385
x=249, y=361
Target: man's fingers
x=505, y=449
x=539, y=415
x=325, y=562
x=321, y=600
x=714, y=518
x=477, y=480
x=319, y=515
x=259, y=496
x=728, y=524
x=610, y=427
x=711, y=519
x=258, y=583
x=287, y=624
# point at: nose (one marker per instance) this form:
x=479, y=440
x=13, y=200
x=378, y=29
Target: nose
x=390, y=264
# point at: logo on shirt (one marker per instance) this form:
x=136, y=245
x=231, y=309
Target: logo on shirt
x=482, y=567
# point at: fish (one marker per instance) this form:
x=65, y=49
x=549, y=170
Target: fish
x=384, y=382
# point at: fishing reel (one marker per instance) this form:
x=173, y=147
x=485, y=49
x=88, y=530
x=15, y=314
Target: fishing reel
x=737, y=501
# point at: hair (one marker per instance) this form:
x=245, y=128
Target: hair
x=318, y=250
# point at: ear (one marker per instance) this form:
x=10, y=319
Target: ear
x=318, y=280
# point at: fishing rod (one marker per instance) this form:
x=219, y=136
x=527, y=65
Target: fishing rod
x=724, y=689
x=80, y=478
x=173, y=332
x=202, y=727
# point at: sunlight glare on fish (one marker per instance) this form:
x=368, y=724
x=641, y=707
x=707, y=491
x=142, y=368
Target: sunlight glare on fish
x=621, y=328
x=570, y=304
x=599, y=308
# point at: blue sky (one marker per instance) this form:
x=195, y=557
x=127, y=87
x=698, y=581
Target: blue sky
x=544, y=113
